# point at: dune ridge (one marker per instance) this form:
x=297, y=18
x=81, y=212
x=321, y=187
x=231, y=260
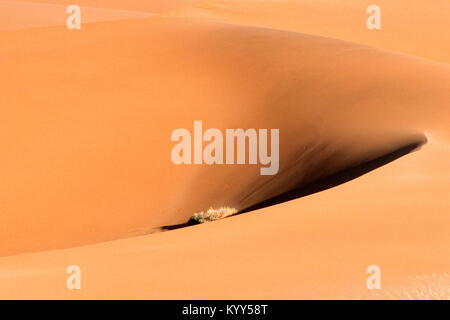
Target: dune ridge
x=17, y=15
x=314, y=239
x=87, y=146
x=408, y=26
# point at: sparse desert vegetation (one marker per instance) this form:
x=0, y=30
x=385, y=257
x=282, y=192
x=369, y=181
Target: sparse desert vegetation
x=212, y=214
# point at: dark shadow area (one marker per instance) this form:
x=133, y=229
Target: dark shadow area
x=323, y=184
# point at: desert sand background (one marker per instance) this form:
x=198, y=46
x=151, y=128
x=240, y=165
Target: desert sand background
x=86, y=170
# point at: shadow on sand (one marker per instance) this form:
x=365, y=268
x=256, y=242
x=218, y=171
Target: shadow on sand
x=325, y=183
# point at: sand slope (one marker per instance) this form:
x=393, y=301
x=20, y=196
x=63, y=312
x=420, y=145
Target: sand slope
x=23, y=15
x=314, y=247
x=85, y=131
x=409, y=26
x=92, y=121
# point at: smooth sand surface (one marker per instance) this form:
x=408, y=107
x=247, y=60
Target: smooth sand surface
x=313, y=247
x=408, y=26
x=16, y=15
x=85, y=131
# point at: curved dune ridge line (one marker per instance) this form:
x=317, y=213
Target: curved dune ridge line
x=153, y=6
x=16, y=15
x=86, y=127
x=408, y=26
x=412, y=26
x=81, y=159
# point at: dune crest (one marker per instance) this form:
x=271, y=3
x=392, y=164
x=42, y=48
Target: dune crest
x=406, y=26
x=86, y=166
x=18, y=15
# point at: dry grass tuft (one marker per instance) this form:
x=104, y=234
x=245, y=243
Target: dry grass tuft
x=213, y=214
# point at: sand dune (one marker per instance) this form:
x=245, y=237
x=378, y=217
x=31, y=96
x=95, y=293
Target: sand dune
x=313, y=247
x=408, y=26
x=86, y=126
x=99, y=140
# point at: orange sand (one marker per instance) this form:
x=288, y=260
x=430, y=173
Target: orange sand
x=85, y=133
